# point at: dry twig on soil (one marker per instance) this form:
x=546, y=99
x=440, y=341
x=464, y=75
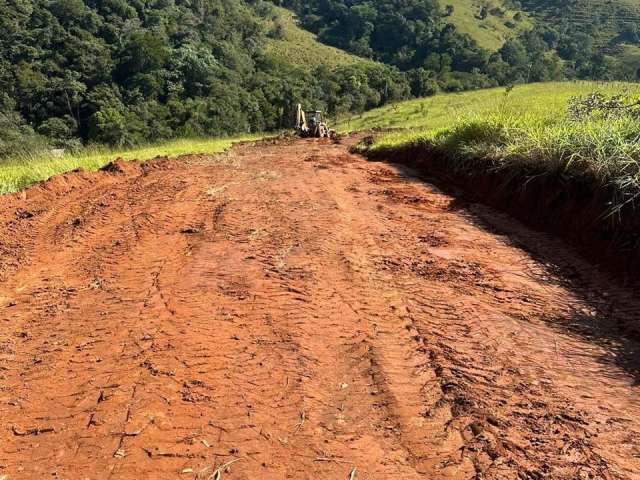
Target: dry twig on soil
x=217, y=474
x=300, y=424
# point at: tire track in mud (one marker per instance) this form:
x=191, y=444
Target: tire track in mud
x=300, y=312
x=468, y=384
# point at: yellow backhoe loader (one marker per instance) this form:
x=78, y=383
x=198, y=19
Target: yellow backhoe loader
x=315, y=127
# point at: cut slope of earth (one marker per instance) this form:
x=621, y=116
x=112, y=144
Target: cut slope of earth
x=520, y=147
x=294, y=311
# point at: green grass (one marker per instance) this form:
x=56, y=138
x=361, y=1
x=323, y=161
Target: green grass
x=539, y=100
x=300, y=47
x=491, y=32
x=21, y=172
x=526, y=131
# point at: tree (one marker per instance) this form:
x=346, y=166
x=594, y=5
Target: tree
x=109, y=125
x=144, y=52
x=423, y=82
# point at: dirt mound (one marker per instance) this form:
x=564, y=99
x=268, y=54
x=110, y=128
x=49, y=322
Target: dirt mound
x=121, y=166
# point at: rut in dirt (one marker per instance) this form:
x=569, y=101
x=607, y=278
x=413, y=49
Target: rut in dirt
x=290, y=310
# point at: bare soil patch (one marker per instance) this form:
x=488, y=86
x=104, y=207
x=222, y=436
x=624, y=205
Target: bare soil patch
x=290, y=310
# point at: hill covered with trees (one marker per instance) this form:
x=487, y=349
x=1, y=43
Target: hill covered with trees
x=122, y=72
x=561, y=40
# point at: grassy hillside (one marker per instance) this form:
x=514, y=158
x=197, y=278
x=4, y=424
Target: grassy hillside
x=539, y=100
x=606, y=22
x=490, y=32
x=289, y=43
x=603, y=20
x=527, y=131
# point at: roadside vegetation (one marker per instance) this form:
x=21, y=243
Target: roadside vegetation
x=26, y=169
x=585, y=132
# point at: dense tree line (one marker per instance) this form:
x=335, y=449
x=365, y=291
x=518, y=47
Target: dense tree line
x=412, y=35
x=416, y=36
x=124, y=72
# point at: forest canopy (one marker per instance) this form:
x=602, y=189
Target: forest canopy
x=418, y=37
x=124, y=72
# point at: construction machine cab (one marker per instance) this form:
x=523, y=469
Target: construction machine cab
x=316, y=118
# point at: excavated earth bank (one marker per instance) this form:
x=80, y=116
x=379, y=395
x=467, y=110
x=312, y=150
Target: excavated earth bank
x=563, y=206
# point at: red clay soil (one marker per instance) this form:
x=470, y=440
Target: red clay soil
x=577, y=210
x=294, y=311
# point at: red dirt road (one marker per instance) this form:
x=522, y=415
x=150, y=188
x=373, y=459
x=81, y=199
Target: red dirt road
x=294, y=311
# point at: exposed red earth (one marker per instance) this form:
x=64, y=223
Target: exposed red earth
x=291, y=310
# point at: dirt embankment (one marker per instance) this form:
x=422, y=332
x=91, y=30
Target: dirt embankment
x=562, y=206
x=294, y=311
